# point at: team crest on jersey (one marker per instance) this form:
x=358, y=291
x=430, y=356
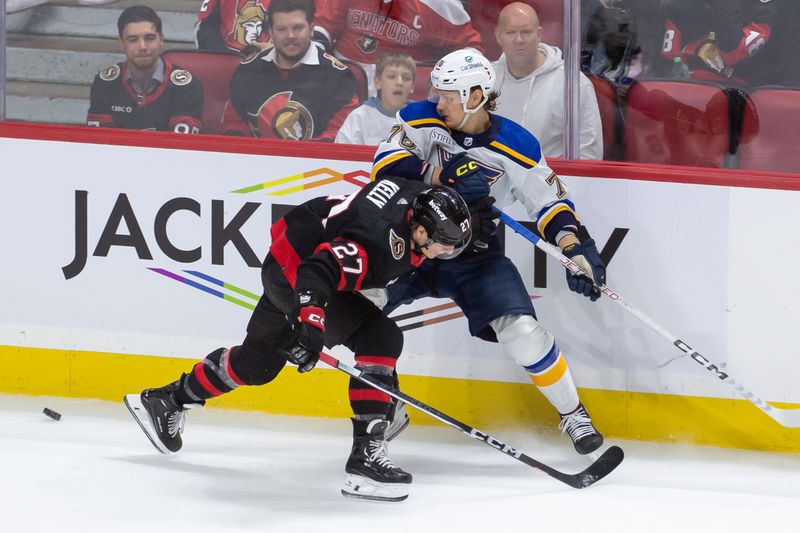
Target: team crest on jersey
x=334, y=61
x=110, y=74
x=368, y=44
x=489, y=172
x=397, y=245
x=280, y=117
x=180, y=77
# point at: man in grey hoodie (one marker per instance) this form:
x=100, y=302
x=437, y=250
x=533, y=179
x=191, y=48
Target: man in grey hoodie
x=530, y=80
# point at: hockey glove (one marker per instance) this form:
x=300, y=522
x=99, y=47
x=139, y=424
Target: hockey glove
x=586, y=256
x=706, y=53
x=463, y=174
x=305, y=341
x=483, y=225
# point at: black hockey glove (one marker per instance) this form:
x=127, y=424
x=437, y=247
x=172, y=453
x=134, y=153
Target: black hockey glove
x=586, y=256
x=305, y=341
x=483, y=225
x=463, y=174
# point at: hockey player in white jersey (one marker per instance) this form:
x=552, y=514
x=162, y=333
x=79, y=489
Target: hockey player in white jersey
x=454, y=139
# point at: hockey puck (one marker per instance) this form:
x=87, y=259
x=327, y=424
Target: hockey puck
x=52, y=414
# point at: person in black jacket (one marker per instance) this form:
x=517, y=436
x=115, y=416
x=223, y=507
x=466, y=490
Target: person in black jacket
x=294, y=90
x=145, y=92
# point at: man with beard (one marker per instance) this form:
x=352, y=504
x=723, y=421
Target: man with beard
x=145, y=92
x=277, y=93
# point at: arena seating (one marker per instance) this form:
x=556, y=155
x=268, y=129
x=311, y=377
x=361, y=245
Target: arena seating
x=677, y=122
x=214, y=70
x=771, y=135
x=362, y=84
x=606, y=101
x=422, y=82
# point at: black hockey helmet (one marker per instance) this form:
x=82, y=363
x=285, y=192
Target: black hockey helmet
x=445, y=216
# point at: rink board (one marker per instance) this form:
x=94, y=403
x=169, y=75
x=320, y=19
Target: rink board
x=130, y=262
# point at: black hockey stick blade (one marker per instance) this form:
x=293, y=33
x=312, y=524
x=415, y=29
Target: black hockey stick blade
x=599, y=469
x=604, y=465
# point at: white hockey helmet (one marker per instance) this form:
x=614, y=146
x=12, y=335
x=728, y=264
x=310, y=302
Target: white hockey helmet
x=461, y=71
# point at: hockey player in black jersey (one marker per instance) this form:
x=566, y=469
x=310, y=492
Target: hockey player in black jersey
x=145, y=92
x=322, y=253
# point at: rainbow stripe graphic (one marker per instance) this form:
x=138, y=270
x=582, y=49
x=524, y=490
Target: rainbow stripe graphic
x=214, y=292
x=359, y=178
x=431, y=315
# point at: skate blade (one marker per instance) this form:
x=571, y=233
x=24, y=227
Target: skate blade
x=367, y=489
x=134, y=404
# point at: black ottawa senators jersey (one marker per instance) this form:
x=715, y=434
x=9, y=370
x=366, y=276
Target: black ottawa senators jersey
x=307, y=102
x=348, y=243
x=176, y=105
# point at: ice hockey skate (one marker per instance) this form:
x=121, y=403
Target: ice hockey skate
x=399, y=420
x=371, y=475
x=160, y=416
x=578, y=426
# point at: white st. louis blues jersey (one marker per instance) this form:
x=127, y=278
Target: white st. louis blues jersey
x=509, y=156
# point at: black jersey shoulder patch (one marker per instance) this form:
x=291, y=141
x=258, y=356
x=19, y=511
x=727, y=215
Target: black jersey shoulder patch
x=334, y=61
x=110, y=73
x=397, y=245
x=180, y=77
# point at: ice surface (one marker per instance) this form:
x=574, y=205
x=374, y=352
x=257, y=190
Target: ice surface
x=95, y=471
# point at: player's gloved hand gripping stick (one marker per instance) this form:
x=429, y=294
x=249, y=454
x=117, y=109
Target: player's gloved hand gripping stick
x=305, y=341
x=786, y=417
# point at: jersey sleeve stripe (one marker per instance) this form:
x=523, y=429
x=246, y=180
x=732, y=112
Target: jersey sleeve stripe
x=421, y=122
x=547, y=216
x=526, y=162
x=388, y=159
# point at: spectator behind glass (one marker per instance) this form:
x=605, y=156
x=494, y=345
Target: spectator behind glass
x=611, y=49
x=294, y=90
x=144, y=92
x=530, y=80
x=360, y=30
x=750, y=42
x=238, y=25
x=371, y=122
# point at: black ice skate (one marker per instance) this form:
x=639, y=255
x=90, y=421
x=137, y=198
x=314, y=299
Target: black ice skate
x=399, y=420
x=371, y=474
x=579, y=426
x=160, y=416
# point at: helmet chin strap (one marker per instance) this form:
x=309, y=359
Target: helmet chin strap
x=468, y=112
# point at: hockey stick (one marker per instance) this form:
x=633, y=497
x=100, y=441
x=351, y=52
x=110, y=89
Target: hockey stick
x=599, y=469
x=786, y=417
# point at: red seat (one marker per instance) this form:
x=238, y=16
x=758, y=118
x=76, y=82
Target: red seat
x=606, y=101
x=771, y=134
x=362, y=83
x=677, y=123
x=484, y=19
x=214, y=70
x=422, y=83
